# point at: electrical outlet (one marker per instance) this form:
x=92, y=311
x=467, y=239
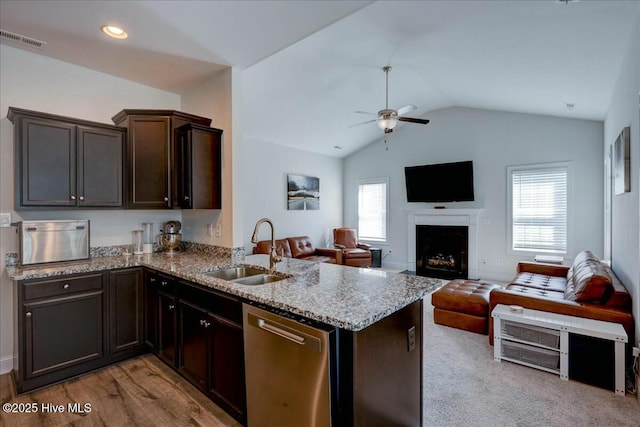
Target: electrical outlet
x=411, y=338
x=209, y=230
x=5, y=219
x=218, y=230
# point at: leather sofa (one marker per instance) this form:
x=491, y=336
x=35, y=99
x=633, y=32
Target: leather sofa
x=300, y=247
x=589, y=289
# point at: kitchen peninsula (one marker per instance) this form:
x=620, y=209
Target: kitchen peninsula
x=376, y=354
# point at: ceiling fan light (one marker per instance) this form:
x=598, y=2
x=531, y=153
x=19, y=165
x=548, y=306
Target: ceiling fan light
x=387, y=122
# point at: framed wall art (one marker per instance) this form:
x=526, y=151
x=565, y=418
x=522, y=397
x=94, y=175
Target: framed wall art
x=303, y=193
x=621, y=162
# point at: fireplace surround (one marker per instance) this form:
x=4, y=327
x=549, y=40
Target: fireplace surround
x=446, y=217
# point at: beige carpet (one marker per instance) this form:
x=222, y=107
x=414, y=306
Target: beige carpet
x=464, y=386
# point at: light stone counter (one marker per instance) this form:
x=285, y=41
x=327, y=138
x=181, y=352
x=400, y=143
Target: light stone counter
x=347, y=297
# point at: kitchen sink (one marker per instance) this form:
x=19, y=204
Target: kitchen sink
x=245, y=275
x=259, y=279
x=234, y=273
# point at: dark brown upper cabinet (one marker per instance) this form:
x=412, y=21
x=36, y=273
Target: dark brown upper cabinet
x=198, y=161
x=66, y=162
x=151, y=158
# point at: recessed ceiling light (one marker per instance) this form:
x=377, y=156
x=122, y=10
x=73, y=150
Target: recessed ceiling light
x=569, y=105
x=337, y=147
x=115, y=32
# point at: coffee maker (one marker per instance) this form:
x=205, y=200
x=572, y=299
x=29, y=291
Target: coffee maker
x=170, y=237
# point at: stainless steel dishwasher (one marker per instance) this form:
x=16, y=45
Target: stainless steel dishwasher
x=287, y=370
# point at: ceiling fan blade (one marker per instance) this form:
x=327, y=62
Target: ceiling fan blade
x=412, y=120
x=366, y=112
x=362, y=123
x=406, y=109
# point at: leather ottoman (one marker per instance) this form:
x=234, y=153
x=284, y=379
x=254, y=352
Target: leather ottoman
x=463, y=304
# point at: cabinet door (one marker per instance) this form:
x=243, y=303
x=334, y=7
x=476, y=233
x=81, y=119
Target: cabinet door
x=151, y=319
x=199, y=167
x=194, y=344
x=60, y=333
x=149, y=156
x=126, y=310
x=227, y=384
x=47, y=150
x=100, y=167
x=167, y=311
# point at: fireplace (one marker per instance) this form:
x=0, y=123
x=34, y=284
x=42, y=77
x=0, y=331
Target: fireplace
x=468, y=218
x=441, y=251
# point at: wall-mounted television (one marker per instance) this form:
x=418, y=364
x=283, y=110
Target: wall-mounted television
x=443, y=182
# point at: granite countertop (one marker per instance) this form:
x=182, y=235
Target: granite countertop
x=347, y=297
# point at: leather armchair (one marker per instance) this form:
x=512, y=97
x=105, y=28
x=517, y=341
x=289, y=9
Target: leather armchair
x=354, y=253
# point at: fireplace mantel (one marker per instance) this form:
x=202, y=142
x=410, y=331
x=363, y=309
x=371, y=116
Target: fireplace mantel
x=468, y=217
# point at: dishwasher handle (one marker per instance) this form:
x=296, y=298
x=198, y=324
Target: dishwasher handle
x=294, y=335
x=262, y=324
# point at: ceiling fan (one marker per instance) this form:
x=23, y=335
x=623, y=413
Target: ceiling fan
x=388, y=118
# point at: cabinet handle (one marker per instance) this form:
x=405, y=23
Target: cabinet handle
x=205, y=323
x=73, y=197
x=166, y=199
x=152, y=279
x=66, y=286
x=81, y=198
x=164, y=283
x=28, y=314
x=186, y=198
x=171, y=306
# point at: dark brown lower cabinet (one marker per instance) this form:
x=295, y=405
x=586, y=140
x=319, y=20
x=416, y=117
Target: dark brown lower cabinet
x=150, y=297
x=167, y=334
x=212, y=356
x=126, y=312
x=227, y=380
x=61, y=329
x=78, y=323
x=194, y=344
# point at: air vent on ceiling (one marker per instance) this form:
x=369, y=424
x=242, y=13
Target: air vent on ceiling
x=24, y=40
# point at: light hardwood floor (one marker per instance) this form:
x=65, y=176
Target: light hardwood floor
x=137, y=392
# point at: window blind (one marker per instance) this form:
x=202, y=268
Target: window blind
x=372, y=211
x=539, y=214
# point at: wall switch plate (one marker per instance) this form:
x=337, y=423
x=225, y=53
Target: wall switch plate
x=5, y=219
x=218, y=230
x=209, y=230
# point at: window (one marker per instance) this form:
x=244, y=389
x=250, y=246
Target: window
x=372, y=209
x=539, y=208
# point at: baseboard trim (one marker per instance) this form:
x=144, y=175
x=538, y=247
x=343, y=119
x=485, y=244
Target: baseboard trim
x=6, y=364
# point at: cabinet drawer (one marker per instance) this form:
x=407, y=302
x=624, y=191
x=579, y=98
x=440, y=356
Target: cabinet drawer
x=70, y=285
x=213, y=302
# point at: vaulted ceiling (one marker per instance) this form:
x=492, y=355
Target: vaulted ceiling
x=308, y=65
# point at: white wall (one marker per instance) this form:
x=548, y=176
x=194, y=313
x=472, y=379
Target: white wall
x=493, y=140
x=212, y=98
x=264, y=172
x=39, y=83
x=624, y=110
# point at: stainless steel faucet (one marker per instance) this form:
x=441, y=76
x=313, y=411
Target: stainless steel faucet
x=273, y=257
